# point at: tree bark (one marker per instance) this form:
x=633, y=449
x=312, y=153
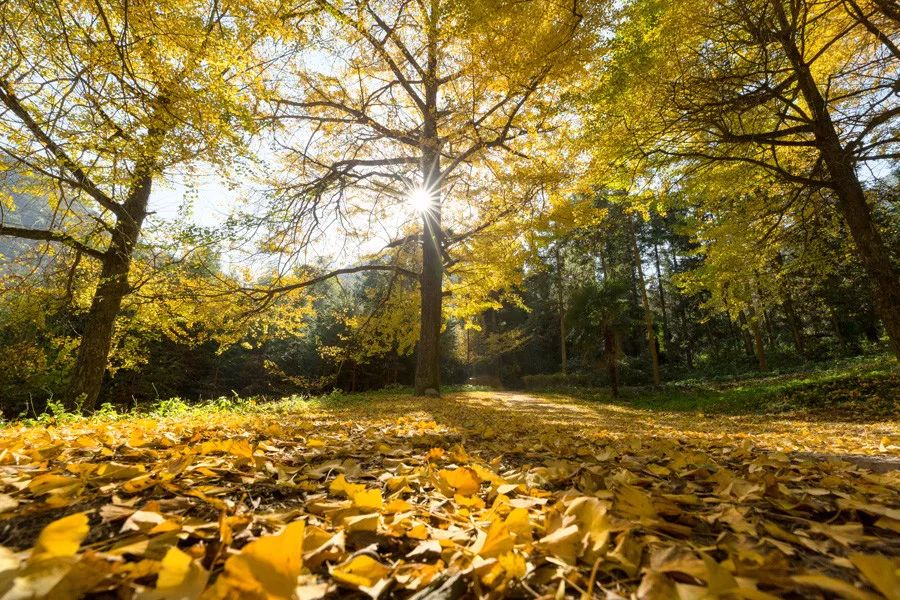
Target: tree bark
x=758, y=346
x=745, y=335
x=648, y=315
x=760, y=349
x=667, y=336
x=428, y=350
x=562, y=312
x=851, y=197
x=790, y=312
x=612, y=365
x=793, y=322
x=96, y=341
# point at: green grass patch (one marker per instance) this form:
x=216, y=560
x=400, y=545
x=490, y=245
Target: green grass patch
x=867, y=388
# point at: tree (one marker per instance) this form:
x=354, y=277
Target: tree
x=601, y=308
x=801, y=89
x=424, y=100
x=100, y=100
x=645, y=301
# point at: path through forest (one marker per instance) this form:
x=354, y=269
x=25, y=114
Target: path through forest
x=524, y=415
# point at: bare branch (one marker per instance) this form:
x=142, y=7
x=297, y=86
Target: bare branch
x=51, y=236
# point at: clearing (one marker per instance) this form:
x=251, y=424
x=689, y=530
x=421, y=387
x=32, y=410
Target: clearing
x=478, y=493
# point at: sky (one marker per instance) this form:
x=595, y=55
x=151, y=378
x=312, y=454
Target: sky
x=212, y=200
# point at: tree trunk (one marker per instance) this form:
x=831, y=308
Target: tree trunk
x=687, y=333
x=96, y=341
x=745, y=335
x=889, y=8
x=428, y=350
x=770, y=328
x=562, y=312
x=667, y=336
x=842, y=340
x=851, y=198
x=790, y=312
x=648, y=315
x=793, y=322
x=612, y=365
x=758, y=344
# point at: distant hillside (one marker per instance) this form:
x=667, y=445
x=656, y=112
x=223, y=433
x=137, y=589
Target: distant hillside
x=28, y=211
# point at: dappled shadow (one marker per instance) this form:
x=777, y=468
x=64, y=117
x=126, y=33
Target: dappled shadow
x=389, y=474
x=546, y=413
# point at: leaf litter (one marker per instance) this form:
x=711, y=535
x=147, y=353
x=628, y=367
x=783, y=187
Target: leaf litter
x=472, y=495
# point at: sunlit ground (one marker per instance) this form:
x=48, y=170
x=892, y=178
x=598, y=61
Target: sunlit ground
x=490, y=493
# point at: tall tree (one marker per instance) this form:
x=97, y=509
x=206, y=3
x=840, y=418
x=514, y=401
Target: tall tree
x=414, y=103
x=801, y=89
x=645, y=302
x=101, y=98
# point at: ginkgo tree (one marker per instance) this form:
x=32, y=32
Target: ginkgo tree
x=100, y=100
x=803, y=90
x=414, y=106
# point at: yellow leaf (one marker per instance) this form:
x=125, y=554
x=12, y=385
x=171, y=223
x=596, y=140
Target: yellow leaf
x=239, y=447
x=175, y=567
x=513, y=564
x=846, y=534
x=397, y=506
x=315, y=443
x=519, y=523
x=881, y=572
x=367, y=499
x=364, y=522
x=834, y=585
x=360, y=572
x=634, y=501
x=564, y=543
x=468, y=501
x=268, y=566
x=340, y=486
x=434, y=454
x=628, y=553
x=656, y=586
x=719, y=580
x=496, y=541
x=48, y=482
x=464, y=480
x=61, y=538
x=418, y=532
x=180, y=578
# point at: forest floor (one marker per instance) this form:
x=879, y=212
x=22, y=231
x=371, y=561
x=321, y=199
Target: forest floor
x=480, y=493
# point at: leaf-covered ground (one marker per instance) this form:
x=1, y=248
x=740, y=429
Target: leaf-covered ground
x=477, y=494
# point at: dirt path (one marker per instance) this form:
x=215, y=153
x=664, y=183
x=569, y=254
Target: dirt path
x=861, y=444
x=525, y=414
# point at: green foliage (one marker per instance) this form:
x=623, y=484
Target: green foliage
x=854, y=389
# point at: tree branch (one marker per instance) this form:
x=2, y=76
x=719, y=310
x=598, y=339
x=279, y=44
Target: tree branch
x=84, y=182
x=51, y=236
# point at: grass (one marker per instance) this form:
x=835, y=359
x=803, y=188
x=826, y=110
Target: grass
x=858, y=389
x=867, y=388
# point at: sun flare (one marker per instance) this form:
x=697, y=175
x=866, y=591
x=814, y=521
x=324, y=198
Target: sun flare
x=420, y=199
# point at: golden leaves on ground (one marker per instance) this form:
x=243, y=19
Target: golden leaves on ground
x=266, y=568
x=487, y=494
x=61, y=538
x=463, y=479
